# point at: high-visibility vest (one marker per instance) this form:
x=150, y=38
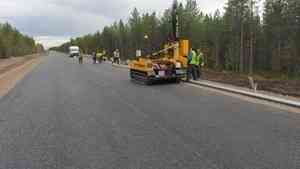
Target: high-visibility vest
x=200, y=59
x=194, y=58
x=98, y=55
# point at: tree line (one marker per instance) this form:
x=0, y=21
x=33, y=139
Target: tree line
x=13, y=43
x=242, y=39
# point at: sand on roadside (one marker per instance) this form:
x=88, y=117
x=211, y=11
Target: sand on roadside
x=13, y=70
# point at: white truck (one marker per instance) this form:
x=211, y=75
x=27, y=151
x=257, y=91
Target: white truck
x=74, y=51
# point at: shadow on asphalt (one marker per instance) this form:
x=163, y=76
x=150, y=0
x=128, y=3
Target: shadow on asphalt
x=156, y=83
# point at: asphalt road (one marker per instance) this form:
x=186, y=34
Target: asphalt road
x=69, y=116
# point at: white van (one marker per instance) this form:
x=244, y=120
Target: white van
x=74, y=51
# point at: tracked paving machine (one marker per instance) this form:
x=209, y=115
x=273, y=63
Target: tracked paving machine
x=168, y=64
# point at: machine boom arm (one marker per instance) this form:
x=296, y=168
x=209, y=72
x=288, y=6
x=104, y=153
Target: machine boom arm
x=166, y=49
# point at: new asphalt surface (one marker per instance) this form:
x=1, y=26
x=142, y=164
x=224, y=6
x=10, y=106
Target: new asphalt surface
x=64, y=115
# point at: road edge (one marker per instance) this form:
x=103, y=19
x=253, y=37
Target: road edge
x=254, y=95
x=15, y=75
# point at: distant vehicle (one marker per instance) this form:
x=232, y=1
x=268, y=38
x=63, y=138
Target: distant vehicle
x=74, y=51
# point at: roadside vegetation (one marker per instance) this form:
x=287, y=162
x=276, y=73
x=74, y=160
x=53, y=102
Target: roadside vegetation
x=13, y=43
x=243, y=39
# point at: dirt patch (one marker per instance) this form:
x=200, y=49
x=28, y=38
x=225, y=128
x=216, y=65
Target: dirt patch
x=283, y=87
x=11, y=63
x=14, y=69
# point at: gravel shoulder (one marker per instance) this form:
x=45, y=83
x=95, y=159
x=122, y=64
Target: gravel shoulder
x=14, y=69
x=281, y=87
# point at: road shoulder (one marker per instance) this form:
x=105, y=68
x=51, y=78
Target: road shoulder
x=9, y=78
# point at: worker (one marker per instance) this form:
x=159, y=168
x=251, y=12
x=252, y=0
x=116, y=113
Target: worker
x=103, y=58
x=200, y=63
x=192, y=65
x=80, y=58
x=117, y=56
x=98, y=57
x=94, y=58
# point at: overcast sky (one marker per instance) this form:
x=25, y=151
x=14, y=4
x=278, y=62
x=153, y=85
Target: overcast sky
x=53, y=22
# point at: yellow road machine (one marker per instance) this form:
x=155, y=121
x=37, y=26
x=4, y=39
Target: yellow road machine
x=168, y=64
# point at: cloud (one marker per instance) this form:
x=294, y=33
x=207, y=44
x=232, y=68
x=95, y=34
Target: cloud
x=50, y=18
x=111, y=9
x=71, y=18
x=211, y=6
x=60, y=17
x=50, y=41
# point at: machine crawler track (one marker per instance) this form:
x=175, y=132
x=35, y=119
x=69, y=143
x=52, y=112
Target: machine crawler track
x=140, y=77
